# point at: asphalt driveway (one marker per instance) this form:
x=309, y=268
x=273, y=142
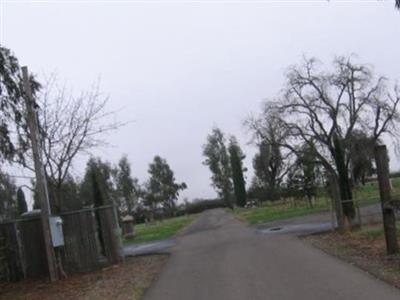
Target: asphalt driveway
x=221, y=258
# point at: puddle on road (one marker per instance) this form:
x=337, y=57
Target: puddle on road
x=149, y=248
x=298, y=229
x=275, y=229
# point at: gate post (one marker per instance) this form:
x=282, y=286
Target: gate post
x=389, y=218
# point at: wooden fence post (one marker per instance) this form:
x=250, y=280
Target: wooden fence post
x=389, y=218
x=118, y=235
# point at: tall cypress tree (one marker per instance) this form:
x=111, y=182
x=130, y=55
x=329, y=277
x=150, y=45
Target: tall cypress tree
x=22, y=207
x=97, y=187
x=239, y=184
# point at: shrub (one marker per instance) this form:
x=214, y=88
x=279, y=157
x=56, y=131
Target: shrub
x=202, y=205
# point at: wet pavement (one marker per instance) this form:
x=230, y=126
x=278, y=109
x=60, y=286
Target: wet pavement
x=297, y=229
x=158, y=247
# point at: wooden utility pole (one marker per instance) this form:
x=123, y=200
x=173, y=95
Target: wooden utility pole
x=389, y=218
x=40, y=175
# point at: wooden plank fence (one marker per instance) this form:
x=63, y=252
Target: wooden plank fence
x=90, y=237
x=81, y=252
x=12, y=265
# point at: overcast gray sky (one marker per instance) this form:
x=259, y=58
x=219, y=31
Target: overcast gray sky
x=179, y=67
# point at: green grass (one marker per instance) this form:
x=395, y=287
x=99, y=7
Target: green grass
x=159, y=230
x=394, y=271
x=276, y=211
x=271, y=211
x=369, y=193
x=375, y=231
x=372, y=232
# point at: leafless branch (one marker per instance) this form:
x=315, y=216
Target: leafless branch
x=71, y=125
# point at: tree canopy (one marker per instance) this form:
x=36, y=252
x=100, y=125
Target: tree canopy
x=217, y=159
x=97, y=187
x=22, y=207
x=12, y=107
x=236, y=158
x=128, y=188
x=272, y=163
x=162, y=188
x=323, y=107
x=8, y=193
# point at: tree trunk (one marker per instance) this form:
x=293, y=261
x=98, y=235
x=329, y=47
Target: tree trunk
x=346, y=195
x=129, y=206
x=363, y=179
x=310, y=202
x=335, y=194
x=389, y=217
x=58, y=198
x=229, y=202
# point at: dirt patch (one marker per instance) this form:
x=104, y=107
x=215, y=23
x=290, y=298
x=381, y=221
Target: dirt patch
x=127, y=281
x=364, y=248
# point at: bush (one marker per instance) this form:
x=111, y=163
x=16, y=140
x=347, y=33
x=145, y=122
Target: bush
x=394, y=174
x=202, y=205
x=262, y=193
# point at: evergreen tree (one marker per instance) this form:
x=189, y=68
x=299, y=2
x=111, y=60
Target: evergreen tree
x=161, y=188
x=217, y=159
x=8, y=191
x=12, y=107
x=128, y=188
x=67, y=193
x=97, y=187
x=236, y=159
x=22, y=207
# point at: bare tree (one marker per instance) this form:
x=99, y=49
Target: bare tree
x=273, y=162
x=70, y=125
x=323, y=108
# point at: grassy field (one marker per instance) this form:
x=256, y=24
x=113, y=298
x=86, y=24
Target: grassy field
x=279, y=210
x=270, y=211
x=159, y=230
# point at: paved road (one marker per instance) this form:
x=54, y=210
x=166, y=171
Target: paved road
x=221, y=258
